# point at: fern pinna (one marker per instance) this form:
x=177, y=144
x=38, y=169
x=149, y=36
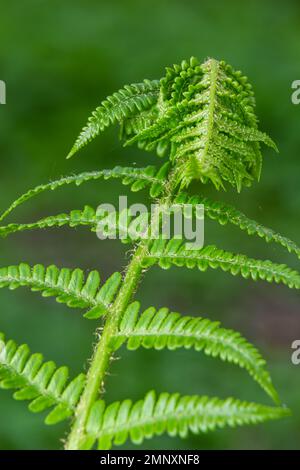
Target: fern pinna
x=201, y=118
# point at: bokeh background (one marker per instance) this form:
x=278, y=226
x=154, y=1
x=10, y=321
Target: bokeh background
x=59, y=60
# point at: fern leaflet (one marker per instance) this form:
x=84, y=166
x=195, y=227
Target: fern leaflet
x=225, y=213
x=41, y=382
x=124, y=104
x=173, y=252
x=136, y=178
x=112, y=224
x=69, y=287
x=163, y=329
x=172, y=414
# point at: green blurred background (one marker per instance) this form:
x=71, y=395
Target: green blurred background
x=59, y=60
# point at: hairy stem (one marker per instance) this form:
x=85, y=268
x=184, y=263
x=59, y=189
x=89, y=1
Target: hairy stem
x=103, y=351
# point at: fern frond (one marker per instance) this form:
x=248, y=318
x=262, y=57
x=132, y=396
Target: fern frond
x=174, y=252
x=75, y=218
x=114, y=224
x=68, y=286
x=161, y=329
x=136, y=178
x=41, y=382
x=206, y=114
x=124, y=104
x=225, y=213
x=172, y=414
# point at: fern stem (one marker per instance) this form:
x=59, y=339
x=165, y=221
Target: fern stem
x=104, y=351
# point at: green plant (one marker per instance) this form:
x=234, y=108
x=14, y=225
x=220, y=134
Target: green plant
x=202, y=117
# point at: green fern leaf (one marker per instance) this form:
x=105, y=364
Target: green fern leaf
x=174, y=252
x=207, y=116
x=163, y=329
x=74, y=219
x=203, y=116
x=112, y=224
x=225, y=213
x=124, y=104
x=172, y=414
x=38, y=381
x=68, y=286
x=136, y=178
